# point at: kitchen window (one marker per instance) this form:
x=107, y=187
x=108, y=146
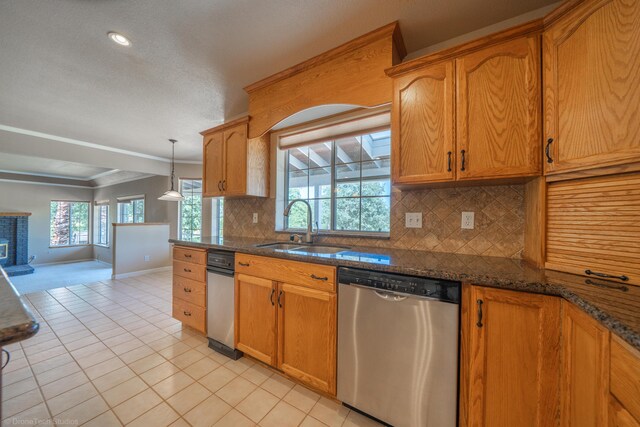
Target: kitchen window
x=68, y=223
x=131, y=210
x=346, y=180
x=190, y=218
x=101, y=224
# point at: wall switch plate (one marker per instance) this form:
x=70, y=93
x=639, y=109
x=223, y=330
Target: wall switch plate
x=147, y=257
x=255, y=218
x=413, y=220
x=468, y=220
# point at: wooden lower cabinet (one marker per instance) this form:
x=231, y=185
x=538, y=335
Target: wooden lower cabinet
x=190, y=287
x=625, y=383
x=292, y=327
x=307, y=336
x=510, y=358
x=619, y=416
x=585, y=369
x=255, y=315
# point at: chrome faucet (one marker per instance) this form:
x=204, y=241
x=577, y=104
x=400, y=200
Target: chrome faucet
x=309, y=236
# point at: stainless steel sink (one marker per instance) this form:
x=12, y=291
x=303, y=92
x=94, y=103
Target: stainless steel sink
x=319, y=249
x=302, y=248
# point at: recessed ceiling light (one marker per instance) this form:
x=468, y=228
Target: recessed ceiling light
x=119, y=38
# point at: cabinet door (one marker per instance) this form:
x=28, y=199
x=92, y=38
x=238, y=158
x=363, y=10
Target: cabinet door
x=213, y=165
x=619, y=416
x=235, y=146
x=422, y=126
x=307, y=336
x=591, y=57
x=513, y=358
x=498, y=111
x=255, y=327
x=585, y=369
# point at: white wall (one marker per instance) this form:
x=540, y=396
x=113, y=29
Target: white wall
x=36, y=198
x=140, y=247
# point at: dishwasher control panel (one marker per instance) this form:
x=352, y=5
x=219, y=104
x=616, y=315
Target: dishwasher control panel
x=444, y=290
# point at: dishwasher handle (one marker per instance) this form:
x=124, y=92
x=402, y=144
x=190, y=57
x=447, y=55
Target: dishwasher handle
x=390, y=296
x=398, y=296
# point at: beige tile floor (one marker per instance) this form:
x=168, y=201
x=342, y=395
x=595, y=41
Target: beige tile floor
x=109, y=354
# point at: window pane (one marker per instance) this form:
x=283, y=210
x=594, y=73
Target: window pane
x=79, y=223
x=376, y=168
x=348, y=189
x=348, y=171
x=348, y=149
x=320, y=183
x=348, y=214
x=299, y=158
x=322, y=213
x=191, y=209
x=378, y=187
x=320, y=155
x=298, y=184
x=138, y=211
x=298, y=216
x=376, y=214
x=376, y=146
x=59, y=224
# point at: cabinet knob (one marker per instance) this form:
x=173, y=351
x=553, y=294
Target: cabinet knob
x=273, y=291
x=187, y=270
x=279, y=299
x=462, y=160
x=605, y=275
x=187, y=255
x=243, y=264
x=224, y=185
x=449, y=161
x=187, y=290
x=479, y=322
x=219, y=185
x=313, y=276
x=186, y=313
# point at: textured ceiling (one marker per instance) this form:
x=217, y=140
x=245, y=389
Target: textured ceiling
x=48, y=167
x=190, y=59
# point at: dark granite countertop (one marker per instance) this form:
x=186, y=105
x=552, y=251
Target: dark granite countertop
x=615, y=306
x=16, y=320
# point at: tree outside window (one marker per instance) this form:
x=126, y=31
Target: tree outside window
x=131, y=211
x=190, y=225
x=68, y=223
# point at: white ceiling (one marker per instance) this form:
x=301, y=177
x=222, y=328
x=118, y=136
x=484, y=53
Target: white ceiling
x=49, y=168
x=189, y=60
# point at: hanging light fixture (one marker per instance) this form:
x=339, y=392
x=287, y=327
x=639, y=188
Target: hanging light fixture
x=172, y=195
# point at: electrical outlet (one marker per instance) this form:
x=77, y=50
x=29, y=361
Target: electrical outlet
x=147, y=258
x=255, y=218
x=413, y=220
x=468, y=220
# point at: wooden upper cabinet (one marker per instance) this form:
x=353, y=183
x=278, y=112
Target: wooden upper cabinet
x=584, y=382
x=498, y=111
x=591, y=59
x=235, y=147
x=510, y=358
x=255, y=317
x=307, y=336
x=234, y=165
x=422, y=126
x=213, y=165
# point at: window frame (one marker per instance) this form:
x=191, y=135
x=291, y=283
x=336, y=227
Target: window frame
x=333, y=230
x=131, y=199
x=98, y=225
x=89, y=224
x=180, y=204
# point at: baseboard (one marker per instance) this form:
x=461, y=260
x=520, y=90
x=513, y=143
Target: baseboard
x=34, y=265
x=141, y=272
x=101, y=262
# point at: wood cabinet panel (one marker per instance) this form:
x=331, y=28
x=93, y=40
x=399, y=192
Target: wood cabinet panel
x=585, y=369
x=307, y=336
x=498, y=111
x=321, y=277
x=189, y=314
x=235, y=146
x=591, y=58
x=190, y=271
x=619, y=416
x=422, y=126
x=213, y=165
x=190, y=291
x=255, y=317
x=512, y=357
x=625, y=376
x=195, y=256
x=592, y=225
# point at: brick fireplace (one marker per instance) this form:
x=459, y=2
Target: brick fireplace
x=14, y=243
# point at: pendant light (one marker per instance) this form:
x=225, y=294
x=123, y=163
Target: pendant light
x=172, y=195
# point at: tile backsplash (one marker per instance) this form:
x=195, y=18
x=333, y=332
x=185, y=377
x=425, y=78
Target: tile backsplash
x=499, y=221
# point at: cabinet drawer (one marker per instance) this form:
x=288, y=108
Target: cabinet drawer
x=280, y=270
x=190, y=291
x=190, y=315
x=195, y=256
x=190, y=271
x=625, y=376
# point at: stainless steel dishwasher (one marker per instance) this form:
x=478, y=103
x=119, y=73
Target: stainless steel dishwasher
x=398, y=347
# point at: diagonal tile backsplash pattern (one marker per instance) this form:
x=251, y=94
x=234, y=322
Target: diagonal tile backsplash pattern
x=499, y=221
